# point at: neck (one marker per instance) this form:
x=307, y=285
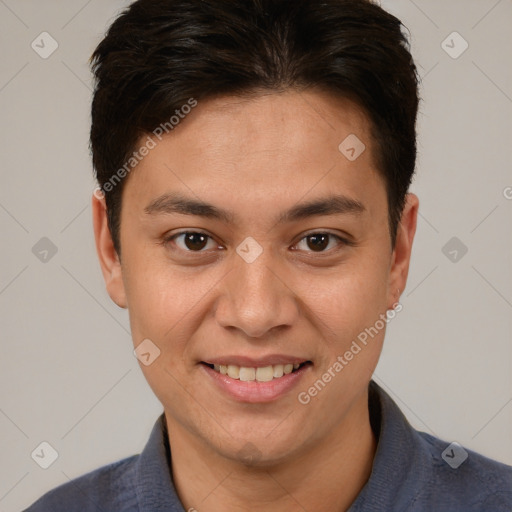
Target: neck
x=326, y=477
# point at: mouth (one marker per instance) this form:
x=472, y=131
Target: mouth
x=266, y=378
x=266, y=373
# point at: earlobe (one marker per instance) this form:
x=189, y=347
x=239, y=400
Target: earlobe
x=107, y=255
x=402, y=252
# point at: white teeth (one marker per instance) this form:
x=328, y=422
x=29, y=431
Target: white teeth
x=265, y=374
x=278, y=371
x=234, y=371
x=247, y=374
x=261, y=374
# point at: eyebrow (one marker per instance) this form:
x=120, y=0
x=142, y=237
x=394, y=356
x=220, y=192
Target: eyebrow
x=330, y=205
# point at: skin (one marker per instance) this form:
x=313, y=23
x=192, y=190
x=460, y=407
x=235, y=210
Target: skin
x=259, y=157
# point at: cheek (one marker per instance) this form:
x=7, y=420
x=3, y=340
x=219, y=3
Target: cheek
x=156, y=299
x=349, y=299
x=167, y=305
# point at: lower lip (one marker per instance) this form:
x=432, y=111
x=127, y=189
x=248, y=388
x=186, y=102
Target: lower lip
x=254, y=391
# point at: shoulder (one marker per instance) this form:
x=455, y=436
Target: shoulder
x=463, y=477
x=110, y=487
x=416, y=472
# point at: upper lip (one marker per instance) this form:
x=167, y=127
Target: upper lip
x=259, y=362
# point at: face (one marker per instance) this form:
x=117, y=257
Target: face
x=255, y=253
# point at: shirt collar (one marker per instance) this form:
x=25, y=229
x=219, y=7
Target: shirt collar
x=154, y=486
x=398, y=472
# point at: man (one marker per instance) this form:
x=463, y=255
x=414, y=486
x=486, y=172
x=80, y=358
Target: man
x=253, y=216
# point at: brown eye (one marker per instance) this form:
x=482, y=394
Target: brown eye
x=191, y=241
x=319, y=242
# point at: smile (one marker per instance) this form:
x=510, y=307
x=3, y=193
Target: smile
x=259, y=374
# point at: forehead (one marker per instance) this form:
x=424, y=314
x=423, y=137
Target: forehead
x=300, y=124
x=271, y=148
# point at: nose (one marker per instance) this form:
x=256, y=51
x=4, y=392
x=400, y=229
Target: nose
x=255, y=298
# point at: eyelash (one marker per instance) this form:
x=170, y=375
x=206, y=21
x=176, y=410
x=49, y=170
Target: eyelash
x=342, y=241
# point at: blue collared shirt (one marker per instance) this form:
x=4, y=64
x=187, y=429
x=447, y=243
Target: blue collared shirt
x=412, y=471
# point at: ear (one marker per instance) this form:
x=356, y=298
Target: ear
x=402, y=252
x=109, y=260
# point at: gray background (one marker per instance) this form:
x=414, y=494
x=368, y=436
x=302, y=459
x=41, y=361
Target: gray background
x=68, y=375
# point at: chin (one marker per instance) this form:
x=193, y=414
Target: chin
x=261, y=451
